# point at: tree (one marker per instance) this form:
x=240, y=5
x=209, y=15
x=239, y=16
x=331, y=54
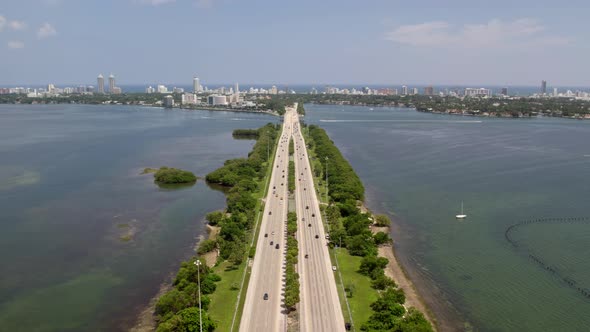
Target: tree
x=381, y=238
x=382, y=220
x=382, y=282
x=187, y=320
x=214, y=218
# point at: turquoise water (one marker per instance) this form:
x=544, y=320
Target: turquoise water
x=85, y=240
x=418, y=168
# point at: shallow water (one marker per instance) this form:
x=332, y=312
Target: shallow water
x=85, y=240
x=418, y=167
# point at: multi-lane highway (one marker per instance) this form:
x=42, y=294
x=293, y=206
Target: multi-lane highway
x=320, y=308
x=263, y=309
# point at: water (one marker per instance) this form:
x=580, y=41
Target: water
x=71, y=196
x=418, y=167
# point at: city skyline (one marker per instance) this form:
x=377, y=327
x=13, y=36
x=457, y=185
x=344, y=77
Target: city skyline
x=341, y=42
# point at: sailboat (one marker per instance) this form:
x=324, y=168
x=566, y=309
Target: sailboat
x=462, y=215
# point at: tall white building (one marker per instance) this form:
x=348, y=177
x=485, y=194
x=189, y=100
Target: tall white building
x=196, y=85
x=150, y=89
x=237, y=89
x=189, y=99
x=111, y=83
x=404, y=90
x=100, y=83
x=554, y=92
x=162, y=89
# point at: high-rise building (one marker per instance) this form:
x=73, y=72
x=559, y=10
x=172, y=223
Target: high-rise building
x=481, y=92
x=237, y=89
x=429, y=91
x=544, y=87
x=150, y=89
x=168, y=101
x=414, y=91
x=111, y=83
x=404, y=90
x=196, y=85
x=100, y=83
x=554, y=92
x=505, y=91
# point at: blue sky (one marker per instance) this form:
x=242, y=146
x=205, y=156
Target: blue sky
x=348, y=42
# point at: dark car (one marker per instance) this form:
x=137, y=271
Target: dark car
x=306, y=256
x=307, y=207
x=317, y=236
x=272, y=242
x=313, y=214
x=265, y=296
x=265, y=234
x=347, y=326
x=277, y=246
x=269, y=213
x=309, y=225
x=303, y=188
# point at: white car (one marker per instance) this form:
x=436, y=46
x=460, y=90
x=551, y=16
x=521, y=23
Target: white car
x=333, y=267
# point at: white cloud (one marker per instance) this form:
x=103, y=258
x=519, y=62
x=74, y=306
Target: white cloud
x=15, y=44
x=46, y=30
x=2, y=22
x=493, y=34
x=156, y=2
x=17, y=25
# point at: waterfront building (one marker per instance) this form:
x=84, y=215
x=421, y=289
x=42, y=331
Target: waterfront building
x=116, y=90
x=111, y=83
x=150, y=89
x=404, y=90
x=481, y=92
x=168, y=101
x=429, y=91
x=215, y=100
x=100, y=83
x=414, y=91
x=273, y=90
x=177, y=90
x=544, y=87
x=554, y=92
x=505, y=91
x=189, y=99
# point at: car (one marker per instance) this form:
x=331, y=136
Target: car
x=313, y=214
x=306, y=256
x=272, y=233
x=307, y=207
x=265, y=297
x=303, y=219
x=271, y=243
x=301, y=173
x=269, y=213
x=265, y=234
x=281, y=184
x=274, y=187
x=317, y=236
x=283, y=175
x=303, y=188
x=327, y=236
x=333, y=267
x=347, y=326
x=277, y=246
x=309, y=225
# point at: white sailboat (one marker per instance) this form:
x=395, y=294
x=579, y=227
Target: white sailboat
x=462, y=215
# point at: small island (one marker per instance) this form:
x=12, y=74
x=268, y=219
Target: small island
x=169, y=175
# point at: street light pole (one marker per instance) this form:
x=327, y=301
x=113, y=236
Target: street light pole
x=198, y=264
x=327, y=201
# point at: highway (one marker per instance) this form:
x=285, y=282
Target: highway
x=267, y=276
x=319, y=306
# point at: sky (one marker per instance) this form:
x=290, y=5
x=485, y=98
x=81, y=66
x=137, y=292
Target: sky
x=438, y=42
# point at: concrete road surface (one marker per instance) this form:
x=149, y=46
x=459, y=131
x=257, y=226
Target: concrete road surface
x=260, y=315
x=320, y=308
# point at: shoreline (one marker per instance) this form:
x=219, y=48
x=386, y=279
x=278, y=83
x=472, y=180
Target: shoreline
x=145, y=320
x=424, y=296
